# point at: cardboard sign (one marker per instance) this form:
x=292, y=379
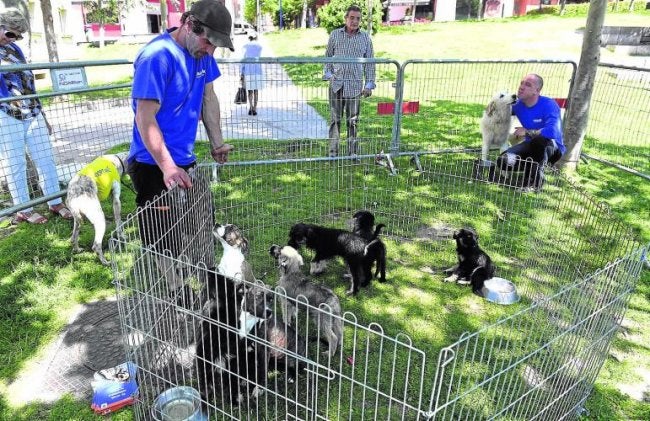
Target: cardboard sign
x=69, y=79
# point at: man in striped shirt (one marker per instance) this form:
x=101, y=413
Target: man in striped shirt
x=347, y=79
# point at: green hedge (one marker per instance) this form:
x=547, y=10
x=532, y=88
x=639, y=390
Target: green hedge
x=581, y=9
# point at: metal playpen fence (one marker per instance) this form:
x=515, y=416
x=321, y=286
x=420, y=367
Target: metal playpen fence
x=573, y=263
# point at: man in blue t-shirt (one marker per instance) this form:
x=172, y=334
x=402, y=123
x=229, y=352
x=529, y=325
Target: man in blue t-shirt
x=541, y=134
x=172, y=89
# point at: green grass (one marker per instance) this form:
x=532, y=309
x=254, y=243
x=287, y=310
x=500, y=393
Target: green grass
x=41, y=281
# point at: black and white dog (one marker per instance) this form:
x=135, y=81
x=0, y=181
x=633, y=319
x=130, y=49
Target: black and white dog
x=296, y=284
x=91, y=185
x=331, y=242
x=474, y=265
x=364, y=221
x=221, y=356
x=233, y=262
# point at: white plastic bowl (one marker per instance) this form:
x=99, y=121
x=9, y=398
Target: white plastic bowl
x=181, y=403
x=500, y=291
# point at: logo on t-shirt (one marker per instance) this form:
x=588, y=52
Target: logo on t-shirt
x=537, y=120
x=200, y=73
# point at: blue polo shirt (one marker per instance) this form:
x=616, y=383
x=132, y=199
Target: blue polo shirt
x=167, y=73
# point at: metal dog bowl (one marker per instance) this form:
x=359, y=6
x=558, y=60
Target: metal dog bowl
x=180, y=403
x=500, y=291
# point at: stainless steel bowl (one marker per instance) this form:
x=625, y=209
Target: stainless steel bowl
x=500, y=291
x=181, y=403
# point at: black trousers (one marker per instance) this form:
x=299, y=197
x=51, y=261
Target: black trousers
x=159, y=223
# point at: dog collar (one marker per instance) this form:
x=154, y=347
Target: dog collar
x=121, y=163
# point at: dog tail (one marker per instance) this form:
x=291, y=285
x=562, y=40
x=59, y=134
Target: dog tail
x=377, y=231
x=374, y=240
x=478, y=277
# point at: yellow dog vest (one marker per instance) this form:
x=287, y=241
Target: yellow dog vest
x=103, y=171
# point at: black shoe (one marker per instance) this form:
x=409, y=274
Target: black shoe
x=254, y=112
x=250, y=112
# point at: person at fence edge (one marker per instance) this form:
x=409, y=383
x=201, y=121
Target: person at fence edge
x=23, y=126
x=251, y=73
x=346, y=80
x=172, y=89
x=540, y=134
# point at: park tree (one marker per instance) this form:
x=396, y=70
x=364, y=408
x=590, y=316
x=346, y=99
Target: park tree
x=332, y=14
x=580, y=96
x=48, y=27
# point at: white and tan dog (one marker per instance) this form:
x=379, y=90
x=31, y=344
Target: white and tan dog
x=495, y=124
x=87, y=189
x=233, y=262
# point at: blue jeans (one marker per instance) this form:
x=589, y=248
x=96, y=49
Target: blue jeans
x=18, y=137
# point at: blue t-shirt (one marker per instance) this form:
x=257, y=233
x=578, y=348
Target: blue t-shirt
x=167, y=73
x=544, y=116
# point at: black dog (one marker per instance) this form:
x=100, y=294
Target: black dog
x=272, y=339
x=474, y=265
x=330, y=242
x=221, y=355
x=364, y=222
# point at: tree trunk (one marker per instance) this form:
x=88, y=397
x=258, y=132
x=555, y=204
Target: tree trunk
x=583, y=86
x=303, y=23
x=48, y=25
x=631, y=7
x=163, y=15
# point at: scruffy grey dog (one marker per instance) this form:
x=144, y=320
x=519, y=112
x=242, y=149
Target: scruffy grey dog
x=233, y=262
x=495, y=124
x=92, y=184
x=474, y=265
x=295, y=283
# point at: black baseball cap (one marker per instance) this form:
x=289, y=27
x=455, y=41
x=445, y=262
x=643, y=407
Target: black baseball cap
x=216, y=20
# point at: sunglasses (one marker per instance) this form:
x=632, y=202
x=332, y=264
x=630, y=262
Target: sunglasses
x=13, y=35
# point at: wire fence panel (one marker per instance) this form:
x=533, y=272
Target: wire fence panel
x=619, y=118
x=573, y=265
x=452, y=95
x=85, y=123
x=293, y=108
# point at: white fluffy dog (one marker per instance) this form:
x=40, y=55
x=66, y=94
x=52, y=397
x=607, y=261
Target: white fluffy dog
x=495, y=124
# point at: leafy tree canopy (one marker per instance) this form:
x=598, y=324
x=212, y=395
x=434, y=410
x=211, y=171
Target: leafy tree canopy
x=332, y=15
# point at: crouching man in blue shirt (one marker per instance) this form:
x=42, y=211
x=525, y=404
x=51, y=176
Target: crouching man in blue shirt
x=541, y=134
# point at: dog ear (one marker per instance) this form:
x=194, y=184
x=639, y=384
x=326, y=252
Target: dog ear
x=244, y=246
x=491, y=109
x=274, y=250
x=456, y=234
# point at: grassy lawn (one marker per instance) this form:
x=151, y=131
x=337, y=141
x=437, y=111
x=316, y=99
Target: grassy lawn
x=41, y=281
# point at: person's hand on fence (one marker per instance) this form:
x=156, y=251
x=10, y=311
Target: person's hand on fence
x=177, y=176
x=220, y=154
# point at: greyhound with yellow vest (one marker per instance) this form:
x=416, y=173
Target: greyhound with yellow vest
x=87, y=189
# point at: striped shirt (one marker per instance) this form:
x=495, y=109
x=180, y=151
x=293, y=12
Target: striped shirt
x=349, y=76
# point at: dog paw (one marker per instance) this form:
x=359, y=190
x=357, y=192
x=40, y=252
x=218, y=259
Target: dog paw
x=347, y=276
x=350, y=292
x=463, y=282
x=451, y=278
x=257, y=392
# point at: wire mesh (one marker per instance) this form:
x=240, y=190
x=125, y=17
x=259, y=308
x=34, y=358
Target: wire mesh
x=536, y=359
x=619, y=117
